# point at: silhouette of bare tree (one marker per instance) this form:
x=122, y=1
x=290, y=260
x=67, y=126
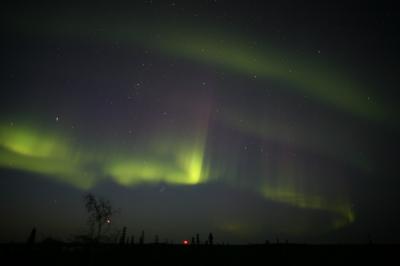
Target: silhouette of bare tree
x=100, y=213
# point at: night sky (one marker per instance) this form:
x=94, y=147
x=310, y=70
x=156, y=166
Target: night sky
x=253, y=120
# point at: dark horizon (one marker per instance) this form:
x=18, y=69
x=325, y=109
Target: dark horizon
x=253, y=121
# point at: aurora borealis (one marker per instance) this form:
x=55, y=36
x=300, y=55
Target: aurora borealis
x=252, y=122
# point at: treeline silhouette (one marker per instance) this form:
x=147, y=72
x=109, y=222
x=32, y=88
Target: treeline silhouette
x=99, y=247
x=126, y=251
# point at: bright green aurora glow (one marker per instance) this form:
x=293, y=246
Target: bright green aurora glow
x=37, y=151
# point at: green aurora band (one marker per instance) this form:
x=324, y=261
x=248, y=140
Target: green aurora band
x=305, y=78
x=55, y=156
x=46, y=153
x=320, y=80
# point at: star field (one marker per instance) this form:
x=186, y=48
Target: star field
x=251, y=120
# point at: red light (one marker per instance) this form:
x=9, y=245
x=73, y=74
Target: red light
x=186, y=242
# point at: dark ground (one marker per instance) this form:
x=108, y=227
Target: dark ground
x=272, y=254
